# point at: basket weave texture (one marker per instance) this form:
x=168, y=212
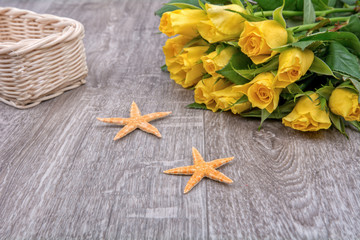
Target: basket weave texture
x=41, y=56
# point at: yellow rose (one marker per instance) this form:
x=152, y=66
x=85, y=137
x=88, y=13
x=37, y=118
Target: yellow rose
x=258, y=38
x=261, y=92
x=293, y=64
x=205, y=87
x=173, y=47
x=214, y=61
x=307, y=115
x=344, y=102
x=182, y=21
x=227, y=97
x=221, y=24
x=186, y=69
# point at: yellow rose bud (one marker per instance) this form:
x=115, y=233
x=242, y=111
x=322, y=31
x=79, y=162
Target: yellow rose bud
x=214, y=62
x=261, y=92
x=205, y=87
x=258, y=38
x=221, y=24
x=186, y=69
x=293, y=64
x=307, y=115
x=226, y=97
x=240, y=107
x=173, y=47
x=182, y=21
x=344, y=102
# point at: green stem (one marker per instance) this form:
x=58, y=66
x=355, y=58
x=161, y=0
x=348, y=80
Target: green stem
x=300, y=13
x=301, y=28
x=334, y=10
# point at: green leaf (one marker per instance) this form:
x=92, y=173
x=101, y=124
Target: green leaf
x=353, y=26
x=278, y=113
x=312, y=45
x=197, y=106
x=243, y=99
x=341, y=60
x=325, y=91
x=249, y=7
x=290, y=38
x=211, y=49
x=237, y=2
x=347, y=84
x=164, y=68
x=183, y=5
x=303, y=44
x=347, y=39
x=307, y=93
x=282, y=48
x=272, y=4
x=338, y=123
x=248, y=17
x=251, y=73
x=356, y=84
x=202, y=5
x=294, y=89
x=331, y=3
x=349, y=2
x=219, y=2
x=192, y=42
x=320, y=25
x=206, y=75
x=269, y=4
x=231, y=43
x=264, y=115
x=238, y=60
x=320, y=5
x=219, y=48
x=283, y=110
x=356, y=124
x=255, y=112
x=309, y=12
x=277, y=15
x=169, y=8
x=320, y=67
x=323, y=105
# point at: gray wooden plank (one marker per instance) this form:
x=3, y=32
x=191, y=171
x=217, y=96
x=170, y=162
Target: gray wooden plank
x=70, y=179
x=288, y=184
x=63, y=176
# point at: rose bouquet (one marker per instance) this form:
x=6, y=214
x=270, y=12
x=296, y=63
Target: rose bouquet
x=294, y=60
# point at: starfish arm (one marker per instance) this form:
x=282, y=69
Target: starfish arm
x=197, y=157
x=188, y=170
x=217, y=176
x=125, y=131
x=152, y=116
x=147, y=127
x=195, y=179
x=117, y=121
x=219, y=162
x=134, y=111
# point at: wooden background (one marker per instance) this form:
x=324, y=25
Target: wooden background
x=62, y=175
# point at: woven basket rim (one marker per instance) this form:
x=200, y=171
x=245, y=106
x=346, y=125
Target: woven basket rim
x=71, y=30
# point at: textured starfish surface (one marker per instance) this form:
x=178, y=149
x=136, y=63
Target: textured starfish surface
x=136, y=121
x=202, y=169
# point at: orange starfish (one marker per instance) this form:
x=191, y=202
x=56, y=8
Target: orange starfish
x=202, y=169
x=136, y=121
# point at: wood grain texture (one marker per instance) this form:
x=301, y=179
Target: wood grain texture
x=63, y=177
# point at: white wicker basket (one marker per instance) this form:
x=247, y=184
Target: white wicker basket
x=41, y=56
